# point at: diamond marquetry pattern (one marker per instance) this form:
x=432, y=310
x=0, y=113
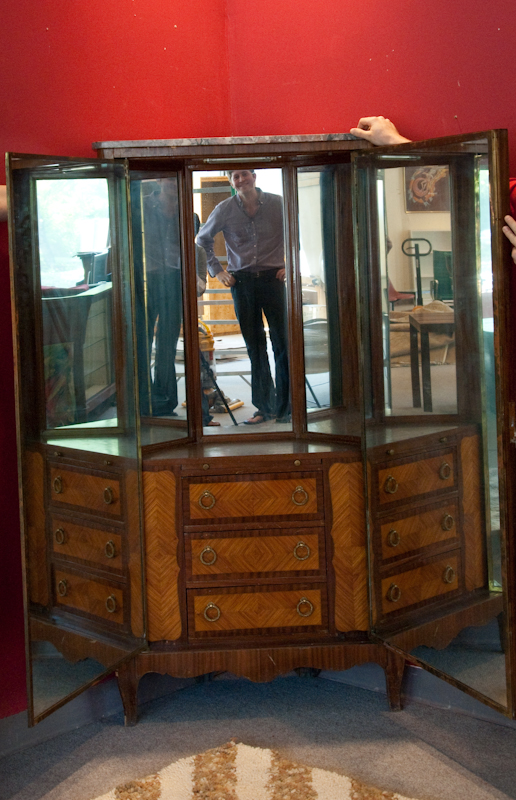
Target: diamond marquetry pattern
x=256, y=554
x=249, y=611
x=92, y=597
x=422, y=583
x=101, y=548
x=420, y=530
x=88, y=491
x=415, y=478
x=253, y=498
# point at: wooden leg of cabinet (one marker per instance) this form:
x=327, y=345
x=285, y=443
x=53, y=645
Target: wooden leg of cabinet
x=128, y=680
x=394, y=668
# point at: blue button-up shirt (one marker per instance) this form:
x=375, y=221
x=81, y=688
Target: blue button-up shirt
x=252, y=243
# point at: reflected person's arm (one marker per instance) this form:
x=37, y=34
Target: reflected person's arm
x=3, y=203
x=378, y=130
x=510, y=232
x=206, y=237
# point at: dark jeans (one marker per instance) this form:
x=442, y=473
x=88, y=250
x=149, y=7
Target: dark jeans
x=253, y=294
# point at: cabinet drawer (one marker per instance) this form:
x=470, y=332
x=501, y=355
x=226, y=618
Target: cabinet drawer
x=423, y=529
x=245, y=610
x=82, y=593
x=427, y=582
x=91, y=492
x=402, y=481
x=242, y=553
x=253, y=498
x=100, y=548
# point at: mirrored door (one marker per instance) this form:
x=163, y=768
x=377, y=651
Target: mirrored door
x=77, y=424
x=435, y=437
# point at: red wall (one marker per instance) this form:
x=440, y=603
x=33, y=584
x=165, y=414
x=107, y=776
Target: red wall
x=78, y=71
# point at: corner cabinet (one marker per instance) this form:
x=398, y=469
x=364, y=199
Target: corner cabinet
x=365, y=515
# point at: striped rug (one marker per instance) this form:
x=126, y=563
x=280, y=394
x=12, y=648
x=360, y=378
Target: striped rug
x=238, y=772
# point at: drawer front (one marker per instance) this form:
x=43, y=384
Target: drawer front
x=416, y=478
x=254, y=498
x=82, y=593
x=261, y=554
x=426, y=582
x=100, y=548
x=91, y=492
x=403, y=536
x=248, y=611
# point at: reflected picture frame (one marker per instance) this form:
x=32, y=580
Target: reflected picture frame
x=427, y=189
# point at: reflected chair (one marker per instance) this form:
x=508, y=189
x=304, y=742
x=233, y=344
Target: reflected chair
x=394, y=296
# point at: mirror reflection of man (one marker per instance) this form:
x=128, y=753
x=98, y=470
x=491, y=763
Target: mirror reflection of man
x=252, y=224
x=160, y=306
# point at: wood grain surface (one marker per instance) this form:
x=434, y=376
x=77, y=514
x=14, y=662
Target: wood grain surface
x=475, y=565
x=248, y=554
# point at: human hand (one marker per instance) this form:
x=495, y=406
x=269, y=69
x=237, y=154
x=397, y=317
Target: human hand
x=3, y=203
x=378, y=130
x=226, y=278
x=281, y=273
x=510, y=232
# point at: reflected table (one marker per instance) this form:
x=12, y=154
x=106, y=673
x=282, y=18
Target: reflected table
x=424, y=323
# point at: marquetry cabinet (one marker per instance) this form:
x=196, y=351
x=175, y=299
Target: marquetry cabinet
x=165, y=529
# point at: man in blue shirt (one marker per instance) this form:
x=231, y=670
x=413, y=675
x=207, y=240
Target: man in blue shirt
x=252, y=224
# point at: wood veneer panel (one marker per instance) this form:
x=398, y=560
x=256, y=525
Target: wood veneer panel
x=86, y=594
x=349, y=547
x=135, y=551
x=422, y=583
x=162, y=568
x=416, y=478
x=475, y=573
x=242, y=499
x=36, y=542
x=248, y=611
x=87, y=544
x=419, y=531
x=247, y=554
x=86, y=491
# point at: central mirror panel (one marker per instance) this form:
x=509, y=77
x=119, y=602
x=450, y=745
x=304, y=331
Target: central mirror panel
x=432, y=427
x=242, y=301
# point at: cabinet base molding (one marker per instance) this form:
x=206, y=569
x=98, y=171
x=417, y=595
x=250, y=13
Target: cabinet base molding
x=259, y=665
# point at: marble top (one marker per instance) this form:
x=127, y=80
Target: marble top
x=227, y=140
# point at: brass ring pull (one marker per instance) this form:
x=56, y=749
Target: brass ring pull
x=215, y=609
x=108, y=495
x=305, y=602
x=393, y=593
x=62, y=588
x=58, y=484
x=304, y=496
x=207, y=500
x=449, y=575
x=60, y=536
x=445, y=471
x=391, y=485
x=393, y=538
x=208, y=551
x=301, y=546
x=111, y=605
x=447, y=522
x=110, y=549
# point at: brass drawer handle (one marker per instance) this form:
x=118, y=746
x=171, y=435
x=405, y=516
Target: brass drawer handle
x=393, y=538
x=62, y=588
x=60, y=536
x=302, y=546
x=393, y=593
x=111, y=604
x=110, y=549
x=305, y=602
x=391, y=485
x=208, y=551
x=108, y=495
x=211, y=607
x=207, y=500
x=449, y=575
x=447, y=522
x=304, y=496
x=445, y=471
x=58, y=484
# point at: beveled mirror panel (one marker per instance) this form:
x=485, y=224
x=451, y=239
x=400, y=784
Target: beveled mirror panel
x=242, y=301
x=79, y=472
x=432, y=426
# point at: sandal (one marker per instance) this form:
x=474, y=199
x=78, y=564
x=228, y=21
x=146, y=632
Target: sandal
x=212, y=424
x=257, y=418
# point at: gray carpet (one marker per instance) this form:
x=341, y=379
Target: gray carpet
x=420, y=752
